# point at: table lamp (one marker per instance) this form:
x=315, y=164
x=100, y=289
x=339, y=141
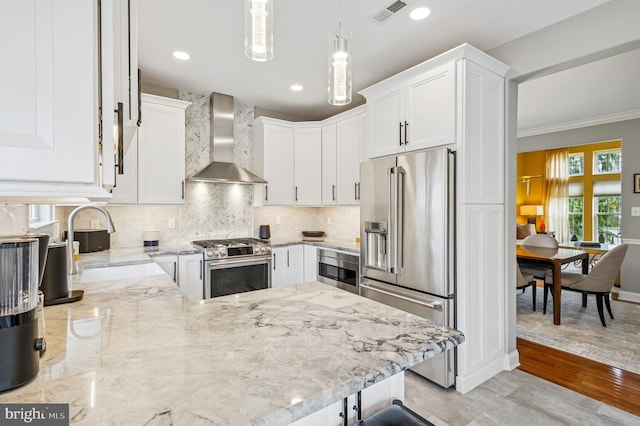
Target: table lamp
x=531, y=212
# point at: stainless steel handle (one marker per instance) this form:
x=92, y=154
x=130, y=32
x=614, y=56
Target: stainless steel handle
x=201, y=269
x=333, y=192
x=139, y=97
x=175, y=271
x=431, y=305
x=406, y=130
x=120, y=138
x=391, y=225
x=400, y=134
x=355, y=190
x=358, y=193
x=400, y=220
x=183, y=190
x=274, y=261
x=266, y=192
x=296, y=193
x=288, y=265
x=395, y=221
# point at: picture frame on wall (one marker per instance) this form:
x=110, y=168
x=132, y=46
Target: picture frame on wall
x=636, y=183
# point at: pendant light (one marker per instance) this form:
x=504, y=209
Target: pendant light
x=340, y=67
x=258, y=29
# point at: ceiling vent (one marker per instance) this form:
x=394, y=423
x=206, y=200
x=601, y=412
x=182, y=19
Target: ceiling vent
x=388, y=11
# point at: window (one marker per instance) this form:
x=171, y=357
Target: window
x=576, y=212
x=608, y=216
x=576, y=164
x=41, y=214
x=607, y=161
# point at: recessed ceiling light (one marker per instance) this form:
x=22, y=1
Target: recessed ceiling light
x=296, y=87
x=183, y=56
x=419, y=13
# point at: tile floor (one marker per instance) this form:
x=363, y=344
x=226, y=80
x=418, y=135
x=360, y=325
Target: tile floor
x=510, y=398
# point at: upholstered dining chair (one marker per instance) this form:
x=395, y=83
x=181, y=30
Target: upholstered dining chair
x=526, y=280
x=537, y=240
x=598, y=282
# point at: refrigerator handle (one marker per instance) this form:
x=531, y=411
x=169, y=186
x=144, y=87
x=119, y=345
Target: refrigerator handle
x=396, y=183
x=390, y=243
x=431, y=305
x=399, y=225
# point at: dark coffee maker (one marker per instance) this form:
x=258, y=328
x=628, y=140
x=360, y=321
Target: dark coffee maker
x=265, y=232
x=20, y=311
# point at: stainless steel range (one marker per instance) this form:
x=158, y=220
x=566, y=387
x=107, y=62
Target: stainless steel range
x=235, y=265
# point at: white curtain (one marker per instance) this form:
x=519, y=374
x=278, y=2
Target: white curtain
x=557, y=193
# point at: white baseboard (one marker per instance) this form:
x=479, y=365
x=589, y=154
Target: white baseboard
x=628, y=296
x=511, y=361
x=465, y=384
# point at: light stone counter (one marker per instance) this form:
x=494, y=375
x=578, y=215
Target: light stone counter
x=135, y=351
x=350, y=247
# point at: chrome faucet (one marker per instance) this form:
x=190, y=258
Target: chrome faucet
x=110, y=229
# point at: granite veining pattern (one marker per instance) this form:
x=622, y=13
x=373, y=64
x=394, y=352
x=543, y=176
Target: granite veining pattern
x=146, y=355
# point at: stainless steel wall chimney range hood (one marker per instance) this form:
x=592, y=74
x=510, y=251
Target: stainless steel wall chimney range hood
x=222, y=168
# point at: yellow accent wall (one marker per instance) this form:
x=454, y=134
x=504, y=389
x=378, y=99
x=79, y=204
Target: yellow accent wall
x=534, y=163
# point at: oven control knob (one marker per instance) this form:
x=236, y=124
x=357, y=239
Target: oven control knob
x=221, y=252
x=259, y=250
x=267, y=250
x=209, y=252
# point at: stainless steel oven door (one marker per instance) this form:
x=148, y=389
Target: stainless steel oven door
x=231, y=276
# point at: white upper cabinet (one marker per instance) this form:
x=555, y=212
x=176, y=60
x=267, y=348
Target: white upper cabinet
x=308, y=166
x=275, y=143
x=329, y=165
x=154, y=161
x=49, y=109
x=350, y=138
x=161, y=151
x=412, y=114
x=288, y=155
x=342, y=144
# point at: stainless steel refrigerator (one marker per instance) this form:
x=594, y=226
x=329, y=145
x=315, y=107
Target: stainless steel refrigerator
x=407, y=255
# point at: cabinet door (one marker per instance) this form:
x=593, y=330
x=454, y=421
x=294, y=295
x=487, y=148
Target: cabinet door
x=161, y=153
x=125, y=190
x=350, y=139
x=169, y=265
x=48, y=82
x=431, y=109
x=308, y=166
x=190, y=275
x=295, y=262
x=329, y=165
x=278, y=165
x=279, y=268
x=310, y=263
x=385, y=114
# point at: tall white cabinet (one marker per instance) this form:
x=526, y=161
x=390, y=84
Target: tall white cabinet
x=50, y=145
x=457, y=100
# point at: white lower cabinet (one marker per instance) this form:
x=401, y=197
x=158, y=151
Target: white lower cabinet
x=169, y=264
x=373, y=399
x=287, y=265
x=310, y=263
x=191, y=275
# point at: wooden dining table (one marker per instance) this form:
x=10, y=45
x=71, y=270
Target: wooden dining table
x=554, y=258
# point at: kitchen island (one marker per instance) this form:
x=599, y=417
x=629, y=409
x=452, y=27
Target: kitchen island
x=135, y=351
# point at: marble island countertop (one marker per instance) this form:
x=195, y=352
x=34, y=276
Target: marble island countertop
x=136, y=351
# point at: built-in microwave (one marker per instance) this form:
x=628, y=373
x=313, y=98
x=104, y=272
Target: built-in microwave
x=339, y=269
